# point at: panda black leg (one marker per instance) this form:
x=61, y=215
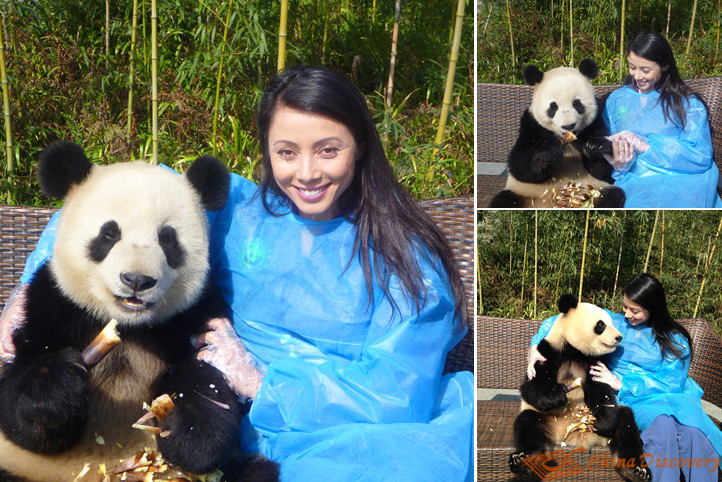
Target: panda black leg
x=626, y=445
x=530, y=438
x=250, y=468
x=507, y=199
x=610, y=197
x=44, y=404
x=202, y=429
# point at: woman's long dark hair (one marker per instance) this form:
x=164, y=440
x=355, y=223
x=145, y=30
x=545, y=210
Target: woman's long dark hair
x=389, y=223
x=673, y=92
x=645, y=290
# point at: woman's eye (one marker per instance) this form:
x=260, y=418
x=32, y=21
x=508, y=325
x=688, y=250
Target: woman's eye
x=329, y=151
x=285, y=153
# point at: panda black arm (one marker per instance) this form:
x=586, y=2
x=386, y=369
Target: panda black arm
x=44, y=393
x=204, y=424
x=543, y=391
x=602, y=401
x=594, y=145
x=535, y=152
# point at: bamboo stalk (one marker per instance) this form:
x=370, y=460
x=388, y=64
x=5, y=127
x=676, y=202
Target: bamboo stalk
x=511, y=33
x=621, y=42
x=584, y=256
x=661, y=252
x=716, y=46
x=536, y=256
x=219, y=76
x=651, y=240
x=669, y=16
x=523, y=270
x=325, y=30
x=6, y=108
x=282, y=35
x=453, y=59
x=154, y=76
x=691, y=26
x=131, y=74
x=709, y=262
x=392, y=62
x=107, y=32
x=571, y=32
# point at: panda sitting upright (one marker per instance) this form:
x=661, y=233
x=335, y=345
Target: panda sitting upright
x=552, y=163
x=563, y=404
x=131, y=245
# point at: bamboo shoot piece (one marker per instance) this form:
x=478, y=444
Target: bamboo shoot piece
x=101, y=344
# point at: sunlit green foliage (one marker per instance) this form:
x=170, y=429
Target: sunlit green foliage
x=62, y=87
x=541, y=35
x=681, y=256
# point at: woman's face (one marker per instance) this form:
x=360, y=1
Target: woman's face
x=634, y=313
x=313, y=159
x=645, y=72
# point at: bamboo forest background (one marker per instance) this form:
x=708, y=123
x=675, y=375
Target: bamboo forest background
x=550, y=33
x=81, y=70
x=527, y=259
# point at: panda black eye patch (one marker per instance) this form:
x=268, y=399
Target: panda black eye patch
x=578, y=106
x=600, y=327
x=168, y=240
x=107, y=237
x=553, y=108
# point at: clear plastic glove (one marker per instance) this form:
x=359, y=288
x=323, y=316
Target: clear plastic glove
x=222, y=348
x=625, y=145
x=12, y=317
x=637, y=143
x=534, y=356
x=600, y=373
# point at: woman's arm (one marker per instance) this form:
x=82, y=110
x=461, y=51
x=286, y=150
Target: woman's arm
x=690, y=151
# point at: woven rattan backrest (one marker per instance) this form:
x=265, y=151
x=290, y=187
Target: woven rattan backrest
x=503, y=346
x=500, y=107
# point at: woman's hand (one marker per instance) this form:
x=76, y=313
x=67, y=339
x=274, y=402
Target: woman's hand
x=12, y=317
x=625, y=145
x=222, y=348
x=600, y=373
x=534, y=356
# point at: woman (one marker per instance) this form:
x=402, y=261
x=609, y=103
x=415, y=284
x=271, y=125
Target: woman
x=346, y=298
x=661, y=135
x=649, y=372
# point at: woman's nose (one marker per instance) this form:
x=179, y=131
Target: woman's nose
x=307, y=170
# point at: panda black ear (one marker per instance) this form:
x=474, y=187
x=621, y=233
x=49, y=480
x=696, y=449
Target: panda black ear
x=60, y=166
x=589, y=69
x=532, y=74
x=210, y=178
x=567, y=302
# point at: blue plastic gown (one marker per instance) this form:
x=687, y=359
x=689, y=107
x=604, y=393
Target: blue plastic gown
x=352, y=388
x=677, y=171
x=652, y=385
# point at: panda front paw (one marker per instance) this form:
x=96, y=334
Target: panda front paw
x=597, y=146
x=44, y=405
x=516, y=463
x=636, y=474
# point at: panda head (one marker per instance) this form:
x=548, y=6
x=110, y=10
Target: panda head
x=132, y=239
x=563, y=98
x=587, y=327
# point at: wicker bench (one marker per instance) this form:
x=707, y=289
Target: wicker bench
x=501, y=364
x=500, y=107
x=21, y=226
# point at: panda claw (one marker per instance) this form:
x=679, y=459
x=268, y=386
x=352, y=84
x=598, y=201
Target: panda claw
x=516, y=464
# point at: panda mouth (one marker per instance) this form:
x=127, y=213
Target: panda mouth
x=134, y=304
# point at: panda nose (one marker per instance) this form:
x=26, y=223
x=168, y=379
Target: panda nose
x=569, y=127
x=137, y=282
x=619, y=339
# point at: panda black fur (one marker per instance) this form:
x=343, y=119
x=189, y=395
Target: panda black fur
x=131, y=245
x=540, y=164
x=579, y=337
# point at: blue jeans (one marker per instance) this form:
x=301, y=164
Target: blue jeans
x=676, y=448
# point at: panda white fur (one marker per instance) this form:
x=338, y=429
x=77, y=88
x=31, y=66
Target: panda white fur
x=579, y=337
x=541, y=164
x=131, y=245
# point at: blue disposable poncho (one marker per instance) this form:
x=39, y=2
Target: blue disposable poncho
x=653, y=385
x=677, y=171
x=353, y=387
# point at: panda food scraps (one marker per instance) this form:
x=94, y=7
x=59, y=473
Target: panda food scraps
x=575, y=195
x=568, y=137
x=158, y=409
x=583, y=421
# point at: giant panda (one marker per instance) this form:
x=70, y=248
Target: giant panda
x=553, y=406
x=131, y=245
x=549, y=167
